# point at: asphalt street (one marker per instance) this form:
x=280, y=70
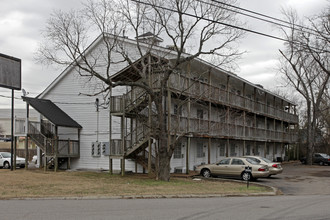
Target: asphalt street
x=305, y=195
x=298, y=179
x=266, y=208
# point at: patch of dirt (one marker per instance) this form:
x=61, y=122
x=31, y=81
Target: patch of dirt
x=324, y=173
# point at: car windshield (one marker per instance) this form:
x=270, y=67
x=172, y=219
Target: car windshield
x=266, y=160
x=324, y=155
x=6, y=155
x=251, y=161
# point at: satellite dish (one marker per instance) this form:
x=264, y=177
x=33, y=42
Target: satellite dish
x=24, y=92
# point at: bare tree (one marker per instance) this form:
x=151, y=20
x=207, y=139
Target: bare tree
x=189, y=26
x=305, y=65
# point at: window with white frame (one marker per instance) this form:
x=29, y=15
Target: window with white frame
x=222, y=149
x=199, y=150
x=177, y=154
x=232, y=150
x=248, y=150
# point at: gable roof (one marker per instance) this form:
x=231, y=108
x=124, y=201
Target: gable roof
x=52, y=112
x=133, y=76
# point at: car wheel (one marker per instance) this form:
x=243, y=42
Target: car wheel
x=22, y=166
x=6, y=165
x=206, y=173
x=321, y=163
x=246, y=176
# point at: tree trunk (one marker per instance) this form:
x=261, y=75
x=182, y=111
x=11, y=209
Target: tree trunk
x=310, y=142
x=164, y=164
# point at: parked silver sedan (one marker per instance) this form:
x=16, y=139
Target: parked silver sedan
x=239, y=167
x=274, y=167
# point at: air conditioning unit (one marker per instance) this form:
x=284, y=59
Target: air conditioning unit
x=179, y=170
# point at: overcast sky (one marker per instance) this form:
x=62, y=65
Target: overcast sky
x=21, y=22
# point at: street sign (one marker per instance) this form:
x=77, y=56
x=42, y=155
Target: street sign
x=10, y=72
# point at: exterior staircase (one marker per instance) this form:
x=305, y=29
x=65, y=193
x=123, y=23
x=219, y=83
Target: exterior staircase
x=131, y=105
x=47, y=142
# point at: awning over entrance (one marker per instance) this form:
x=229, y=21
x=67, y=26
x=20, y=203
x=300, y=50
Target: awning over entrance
x=52, y=112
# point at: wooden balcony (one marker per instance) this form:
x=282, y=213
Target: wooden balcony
x=204, y=91
x=200, y=127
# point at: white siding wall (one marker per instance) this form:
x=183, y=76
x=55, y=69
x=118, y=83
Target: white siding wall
x=67, y=95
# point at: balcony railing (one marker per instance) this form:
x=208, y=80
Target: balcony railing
x=202, y=90
x=221, y=129
x=68, y=148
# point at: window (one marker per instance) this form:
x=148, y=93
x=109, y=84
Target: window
x=237, y=162
x=222, y=150
x=224, y=162
x=177, y=154
x=200, y=152
x=232, y=150
x=200, y=113
x=248, y=150
x=255, y=160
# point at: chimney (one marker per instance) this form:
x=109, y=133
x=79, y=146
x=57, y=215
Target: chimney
x=149, y=38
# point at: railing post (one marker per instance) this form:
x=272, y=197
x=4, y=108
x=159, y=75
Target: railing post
x=56, y=154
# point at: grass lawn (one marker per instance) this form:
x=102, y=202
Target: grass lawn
x=38, y=184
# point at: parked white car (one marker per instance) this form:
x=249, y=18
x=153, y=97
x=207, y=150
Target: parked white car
x=5, y=160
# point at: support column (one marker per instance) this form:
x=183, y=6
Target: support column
x=188, y=122
x=123, y=144
x=56, y=149
x=187, y=155
x=209, y=151
x=15, y=153
x=27, y=137
x=110, y=131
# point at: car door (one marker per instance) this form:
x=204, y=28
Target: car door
x=236, y=167
x=1, y=160
x=317, y=158
x=221, y=167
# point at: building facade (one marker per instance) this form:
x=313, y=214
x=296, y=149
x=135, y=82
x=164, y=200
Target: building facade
x=214, y=113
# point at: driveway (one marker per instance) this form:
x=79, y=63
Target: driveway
x=298, y=179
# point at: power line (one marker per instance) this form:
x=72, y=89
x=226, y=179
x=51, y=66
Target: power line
x=211, y=20
x=9, y=97
x=260, y=14
x=229, y=25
